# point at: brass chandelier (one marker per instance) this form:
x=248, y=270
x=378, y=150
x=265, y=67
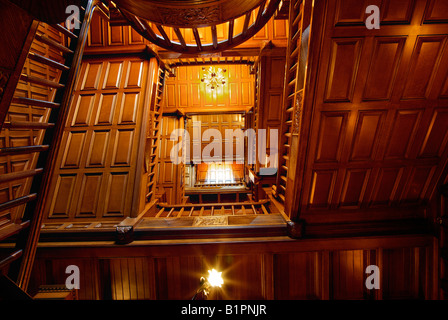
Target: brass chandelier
x=214, y=77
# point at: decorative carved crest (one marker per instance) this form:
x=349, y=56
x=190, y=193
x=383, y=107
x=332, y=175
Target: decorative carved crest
x=210, y=221
x=192, y=16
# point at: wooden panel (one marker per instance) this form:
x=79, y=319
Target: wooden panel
x=98, y=149
x=221, y=123
x=437, y=135
x=273, y=105
x=91, y=76
x=365, y=138
x=389, y=148
x=73, y=149
x=123, y=148
x=402, y=133
x=435, y=10
x=134, y=75
x=350, y=12
x=96, y=32
x=322, y=188
x=397, y=12
x=299, y=276
x=89, y=195
x=187, y=91
x=408, y=283
x=386, y=186
x=331, y=135
x=113, y=75
x=324, y=269
x=115, y=35
x=354, y=187
x=115, y=199
x=129, y=107
x=106, y=109
x=348, y=275
x=422, y=67
x=108, y=106
x=83, y=110
x=383, y=69
x=417, y=183
x=130, y=278
x=62, y=196
x=169, y=175
x=345, y=56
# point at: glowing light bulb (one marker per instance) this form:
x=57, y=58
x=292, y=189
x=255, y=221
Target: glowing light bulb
x=215, y=278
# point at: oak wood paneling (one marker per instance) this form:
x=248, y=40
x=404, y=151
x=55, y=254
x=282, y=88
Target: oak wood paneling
x=170, y=175
x=94, y=178
x=186, y=92
x=311, y=269
x=378, y=120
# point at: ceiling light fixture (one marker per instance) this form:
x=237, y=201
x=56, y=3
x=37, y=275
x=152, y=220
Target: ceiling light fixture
x=213, y=78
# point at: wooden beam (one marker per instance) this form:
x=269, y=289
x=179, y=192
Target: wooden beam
x=246, y=22
x=180, y=37
x=197, y=38
x=260, y=12
x=230, y=36
x=164, y=35
x=22, y=150
x=17, y=202
x=160, y=212
x=35, y=102
x=12, y=176
x=214, y=37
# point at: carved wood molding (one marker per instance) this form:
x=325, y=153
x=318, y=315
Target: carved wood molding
x=191, y=16
x=182, y=14
x=297, y=113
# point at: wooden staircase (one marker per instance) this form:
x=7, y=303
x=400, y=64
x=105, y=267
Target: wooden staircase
x=289, y=95
x=26, y=228
x=153, y=136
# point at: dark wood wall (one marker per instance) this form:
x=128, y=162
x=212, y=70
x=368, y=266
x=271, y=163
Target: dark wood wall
x=373, y=123
x=170, y=176
x=187, y=93
x=283, y=269
x=95, y=176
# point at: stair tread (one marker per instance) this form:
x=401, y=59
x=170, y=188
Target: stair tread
x=35, y=102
